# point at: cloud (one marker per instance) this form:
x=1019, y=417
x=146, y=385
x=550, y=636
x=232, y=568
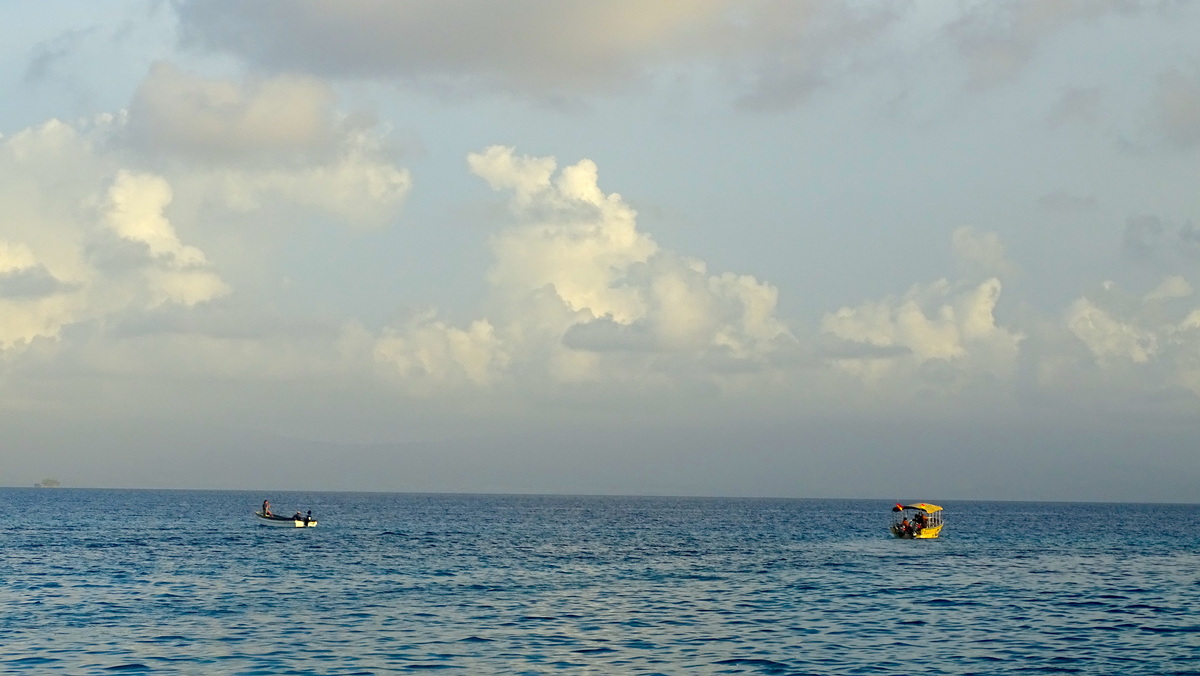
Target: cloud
x=584, y=307
x=1107, y=350
x=1076, y=106
x=265, y=144
x=605, y=335
x=998, y=40
x=48, y=55
x=34, y=281
x=1170, y=288
x=1137, y=351
x=358, y=188
x=182, y=114
x=1141, y=236
x=1149, y=238
x=1177, y=104
x=79, y=244
x=23, y=277
x=31, y=298
x=134, y=211
x=98, y=213
x=579, y=294
x=572, y=238
x=773, y=52
x=1061, y=202
x=1109, y=339
x=526, y=45
x=787, y=51
x=939, y=332
x=136, y=249
x=431, y=356
x=980, y=253
x=175, y=272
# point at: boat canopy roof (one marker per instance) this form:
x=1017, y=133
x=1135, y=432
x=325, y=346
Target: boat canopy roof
x=922, y=506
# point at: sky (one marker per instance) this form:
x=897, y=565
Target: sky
x=776, y=248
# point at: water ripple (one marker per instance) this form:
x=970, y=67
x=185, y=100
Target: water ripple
x=534, y=585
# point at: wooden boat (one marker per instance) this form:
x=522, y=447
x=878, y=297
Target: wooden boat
x=294, y=521
x=918, y=521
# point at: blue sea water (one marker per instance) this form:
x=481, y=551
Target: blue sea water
x=104, y=581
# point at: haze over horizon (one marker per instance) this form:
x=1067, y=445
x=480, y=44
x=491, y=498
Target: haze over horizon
x=760, y=248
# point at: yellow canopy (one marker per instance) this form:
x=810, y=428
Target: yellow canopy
x=923, y=506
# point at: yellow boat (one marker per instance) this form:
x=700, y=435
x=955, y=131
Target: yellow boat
x=917, y=521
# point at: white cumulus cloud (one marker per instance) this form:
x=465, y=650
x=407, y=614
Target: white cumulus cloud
x=78, y=245
x=265, y=144
x=1125, y=349
x=580, y=294
x=430, y=355
x=950, y=327
x=114, y=215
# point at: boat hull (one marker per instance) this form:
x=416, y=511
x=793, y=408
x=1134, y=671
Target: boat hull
x=285, y=521
x=924, y=534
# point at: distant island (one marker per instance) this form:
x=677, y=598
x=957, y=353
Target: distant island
x=48, y=483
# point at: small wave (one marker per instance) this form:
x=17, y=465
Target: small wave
x=766, y=666
x=1086, y=604
x=700, y=577
x=485, y=587
x=32, y=661
x=948, y=602
x=1194, y=629
x=635, y=623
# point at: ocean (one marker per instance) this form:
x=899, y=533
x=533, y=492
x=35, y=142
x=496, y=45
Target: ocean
x=189, y=582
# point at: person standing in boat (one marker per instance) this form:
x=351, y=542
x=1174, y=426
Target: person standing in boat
x=266, y=508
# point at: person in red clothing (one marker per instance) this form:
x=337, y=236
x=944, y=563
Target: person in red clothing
x=919, y=522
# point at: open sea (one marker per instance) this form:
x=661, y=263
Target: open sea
x=109, y=581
